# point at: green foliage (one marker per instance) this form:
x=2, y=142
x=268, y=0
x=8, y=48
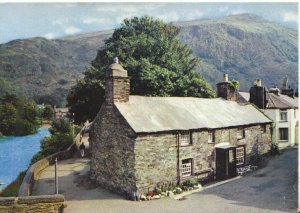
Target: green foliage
x=60, y=126
x=13, y=188
x=190, y=183
x=60, y=139
x=48, y=112
x=18, y=116
x=155, y=59
x=274, y=149
x=235, y=84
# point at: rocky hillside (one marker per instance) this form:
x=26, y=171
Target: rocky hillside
x=246, y=47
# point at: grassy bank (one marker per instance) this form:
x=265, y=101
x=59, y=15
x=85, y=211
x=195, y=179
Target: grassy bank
x=12, y=189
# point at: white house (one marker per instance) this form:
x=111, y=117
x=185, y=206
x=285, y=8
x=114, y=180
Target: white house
x=282, y=109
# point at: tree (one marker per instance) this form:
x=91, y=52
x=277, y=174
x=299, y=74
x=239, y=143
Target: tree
x=153, y=56
x=48, y=112
x=235, y=84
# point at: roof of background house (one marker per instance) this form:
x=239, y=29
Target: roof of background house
x=155, y=114
x=276, y=101
x=245, y=95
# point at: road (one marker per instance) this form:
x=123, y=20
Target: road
x=270, y=189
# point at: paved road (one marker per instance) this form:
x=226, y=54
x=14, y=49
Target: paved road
x=271, y=189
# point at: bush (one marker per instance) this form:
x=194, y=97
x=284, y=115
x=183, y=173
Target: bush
x=274, y=149
x=190, y=183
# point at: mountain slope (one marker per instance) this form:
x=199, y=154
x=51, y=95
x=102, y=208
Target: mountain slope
x=245, y=46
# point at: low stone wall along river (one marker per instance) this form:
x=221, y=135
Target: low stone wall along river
x=16, y=153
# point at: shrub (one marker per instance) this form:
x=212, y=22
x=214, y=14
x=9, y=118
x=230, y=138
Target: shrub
x=274, y=149
x=190, y=183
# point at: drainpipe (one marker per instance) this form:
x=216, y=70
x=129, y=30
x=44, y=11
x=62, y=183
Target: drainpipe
x=178, y=163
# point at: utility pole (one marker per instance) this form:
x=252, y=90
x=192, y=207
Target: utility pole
x=56, y=179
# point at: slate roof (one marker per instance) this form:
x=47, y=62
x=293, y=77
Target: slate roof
x=276, y=101
x=156, y=114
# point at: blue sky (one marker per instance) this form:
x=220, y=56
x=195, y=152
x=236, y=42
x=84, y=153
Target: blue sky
x=54, y=20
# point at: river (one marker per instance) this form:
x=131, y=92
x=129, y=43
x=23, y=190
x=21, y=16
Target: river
x=16, y=153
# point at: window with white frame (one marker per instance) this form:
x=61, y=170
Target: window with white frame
x=283, y=115
x=240, y=133
x=211, y=136
x=283, y=134
x=240, y=155
x=186, y=168
x=185, y=138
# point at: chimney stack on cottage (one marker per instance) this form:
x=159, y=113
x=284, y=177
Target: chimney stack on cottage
x=117, y=83
x=286, y=89
x=226, y=90
x=258, y=94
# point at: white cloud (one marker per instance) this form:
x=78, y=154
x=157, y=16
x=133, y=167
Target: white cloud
x=237, y=11
x=50, y=35
x=72, y=30
x=118, y=9
x=90, y=20
x=289, y=17
x=173, y=16
x=57, y=22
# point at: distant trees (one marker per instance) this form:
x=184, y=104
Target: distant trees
x=18, y=116
x=155, y=59
x=48, y=113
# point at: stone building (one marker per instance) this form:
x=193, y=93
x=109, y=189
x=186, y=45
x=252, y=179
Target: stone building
x=139, y=142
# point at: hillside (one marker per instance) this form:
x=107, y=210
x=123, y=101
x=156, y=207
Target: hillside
x=245, y=46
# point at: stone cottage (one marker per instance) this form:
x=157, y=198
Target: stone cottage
x=139, y=142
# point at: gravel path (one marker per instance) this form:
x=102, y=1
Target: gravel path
x=271, y=189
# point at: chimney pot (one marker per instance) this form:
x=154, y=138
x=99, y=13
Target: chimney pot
x=258, y=83
x=225, y=77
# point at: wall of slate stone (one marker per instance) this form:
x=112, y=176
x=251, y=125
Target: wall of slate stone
x=112, y=151
x=157, y=154
x=33, y=204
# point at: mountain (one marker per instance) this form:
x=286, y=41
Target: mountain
x=245, y=46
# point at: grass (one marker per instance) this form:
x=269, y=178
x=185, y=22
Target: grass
x=13, y=188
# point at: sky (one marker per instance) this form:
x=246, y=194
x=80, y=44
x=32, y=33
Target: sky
x=56, y=20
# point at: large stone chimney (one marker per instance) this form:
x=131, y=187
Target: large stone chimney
x=117, y=83
x=226, y=90
x=258, y=94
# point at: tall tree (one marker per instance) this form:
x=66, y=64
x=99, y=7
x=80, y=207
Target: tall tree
x=155, y=59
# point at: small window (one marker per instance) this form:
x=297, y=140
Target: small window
x=283, y=134
x=283, y=115
x=185, y=138
x=263, y=128
x=240, y=133
x=240, y=155
x=211, y=137
x=186, y=168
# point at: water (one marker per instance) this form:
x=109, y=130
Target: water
x=16, y=153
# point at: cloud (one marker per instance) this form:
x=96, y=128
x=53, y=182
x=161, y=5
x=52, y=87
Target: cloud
x=290, y=17
x=50, y=35
x=118, y=9
x=237, y=11
x=90, y=20
x=72, y=30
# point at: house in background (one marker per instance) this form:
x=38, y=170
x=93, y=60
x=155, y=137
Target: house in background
x=61, y=112
x=138, y=142
x=281, y=107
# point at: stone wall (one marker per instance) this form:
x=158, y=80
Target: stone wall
x=34, y=170
x=157, y=154
x=112, y=151
x=33, y=204
x=117, y=89
x=156, y=160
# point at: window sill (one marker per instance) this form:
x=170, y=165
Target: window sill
x=283, y=141
x=283, y=121
x=187, y=145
